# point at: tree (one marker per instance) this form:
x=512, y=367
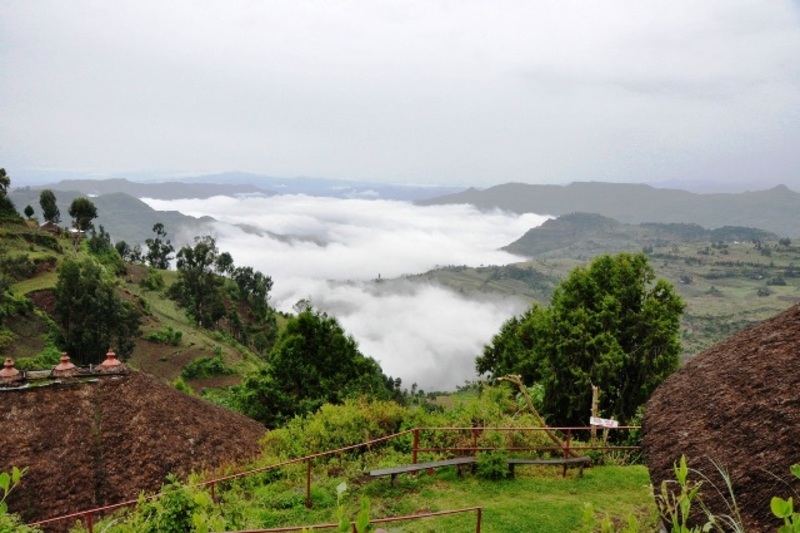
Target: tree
x=50, y=212
x=5, y=182
x=92, y=316
x=159, y=248
x=7, y=209
x=612, y=325
x=28, y=211
x=82, y=211
x=314, y=362
x=198, y=288
x=224, y=264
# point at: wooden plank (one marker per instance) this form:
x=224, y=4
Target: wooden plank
x=393, y=471
x=422, y=466
x=580, y=461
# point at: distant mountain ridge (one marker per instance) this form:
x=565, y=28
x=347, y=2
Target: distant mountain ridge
x=775, y=210
x=243, y=183
x=581, y=235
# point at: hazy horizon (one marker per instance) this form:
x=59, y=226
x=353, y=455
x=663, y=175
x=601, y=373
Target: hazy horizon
x=331, y=251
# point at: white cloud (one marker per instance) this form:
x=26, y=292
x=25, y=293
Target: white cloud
x=331, y=251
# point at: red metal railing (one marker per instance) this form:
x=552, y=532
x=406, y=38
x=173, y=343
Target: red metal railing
x=88, y=516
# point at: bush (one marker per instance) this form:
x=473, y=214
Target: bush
x=492, y=465
x=168, y=335
x=206, y=367
x=153, y=281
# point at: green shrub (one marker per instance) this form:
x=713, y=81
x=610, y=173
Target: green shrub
x=492, y=465
x=206, y=367
x=168, y=335
x=153, y=281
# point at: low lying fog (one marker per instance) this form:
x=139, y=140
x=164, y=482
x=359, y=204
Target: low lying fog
x=331, y=251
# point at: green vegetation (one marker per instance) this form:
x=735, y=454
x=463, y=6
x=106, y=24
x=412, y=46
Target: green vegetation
x=168, y=335
x=313, y=363
x=536, y=499
x=82, y=211
x=8, y=482
x=50, y=211
x=206, y=367
x=159, y=248
x=92, y=316
x=612, y=325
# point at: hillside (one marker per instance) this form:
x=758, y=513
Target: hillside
x=95, y=443
x=774, y=210
x=125, y=217
x=588, y=234
x=727, y=284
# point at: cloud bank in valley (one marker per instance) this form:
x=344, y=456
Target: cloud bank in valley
x=331, y=252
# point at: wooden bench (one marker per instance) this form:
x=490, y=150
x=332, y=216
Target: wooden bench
x=565, y=462
x=393, y=471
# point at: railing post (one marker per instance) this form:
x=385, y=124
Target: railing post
x=416, y=446
x=213, y=492
x=308, y=484
x=566, y=451
x=89, y=517
x=475, y=432
x=478, y=524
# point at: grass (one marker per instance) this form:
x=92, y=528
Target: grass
x=538, y=499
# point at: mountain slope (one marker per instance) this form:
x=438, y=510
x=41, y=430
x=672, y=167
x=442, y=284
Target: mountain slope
x=581, y=235
x=774, y=210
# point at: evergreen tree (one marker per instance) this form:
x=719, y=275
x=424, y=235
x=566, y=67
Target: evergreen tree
x=314, y=362
x=82, y=211
x=159, y=248
x=50, y=212
x=198, y=288
x=92, y=316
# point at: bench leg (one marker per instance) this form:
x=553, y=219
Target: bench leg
x=393, y=478
x=511, y=470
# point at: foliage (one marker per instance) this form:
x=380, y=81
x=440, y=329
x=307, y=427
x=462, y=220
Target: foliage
x=99, y=244
x=314, y=362
x=17, y=267
x=28, y=211
x=153, y=281
x=676, y=507
x=198, y=288
x=82, y=211
x=11, y=522
x=5, y=182
x=7, y=210
x=206, y=367
x=784, y=508
x=159, y=248
x=91, y=314
x=167, y=335
x=492, y=464
x=50, y=212
x=611, y=325
x=179, y=508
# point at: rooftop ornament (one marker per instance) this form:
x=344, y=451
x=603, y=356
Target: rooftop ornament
x=111, y=365
x=9, y=375
x=65, y=369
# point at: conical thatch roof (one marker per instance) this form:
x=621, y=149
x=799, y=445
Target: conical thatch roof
x=92, y=444
x=737, y=404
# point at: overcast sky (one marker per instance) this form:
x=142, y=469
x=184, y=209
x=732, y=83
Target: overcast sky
x=333, y=250
x=455, y=92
